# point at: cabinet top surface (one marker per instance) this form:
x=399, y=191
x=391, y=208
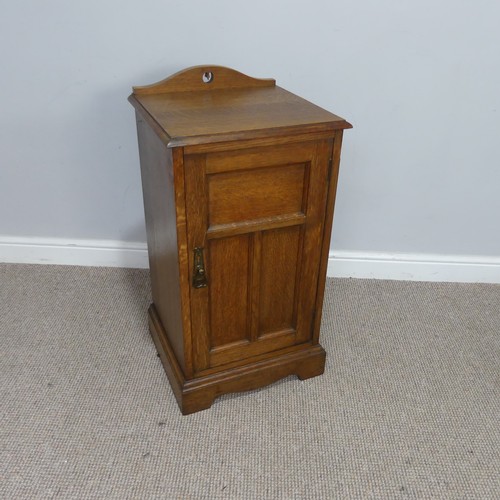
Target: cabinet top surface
x=230, y=106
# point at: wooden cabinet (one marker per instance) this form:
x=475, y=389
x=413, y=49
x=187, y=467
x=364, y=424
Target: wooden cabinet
x=239, y=179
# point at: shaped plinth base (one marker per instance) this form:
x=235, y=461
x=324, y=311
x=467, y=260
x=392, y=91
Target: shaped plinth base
x=199, y=393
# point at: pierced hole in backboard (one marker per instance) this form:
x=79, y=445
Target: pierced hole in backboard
x=207, y=77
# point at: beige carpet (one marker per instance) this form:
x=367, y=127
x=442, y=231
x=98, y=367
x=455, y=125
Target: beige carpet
x=409, y=405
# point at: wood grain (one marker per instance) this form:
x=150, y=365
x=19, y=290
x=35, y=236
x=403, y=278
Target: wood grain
x=255, y=194
x=228, y=289
x=274, y=222
x=196, y=213
x=257, y=157
x=191, y=80
x=255, y=296
x=259, y=140
x=278, y=280
x=199, y=393
x=183, y=256
x=247, y=172
x=327, y=231
x=205, y=117
x=161, y=226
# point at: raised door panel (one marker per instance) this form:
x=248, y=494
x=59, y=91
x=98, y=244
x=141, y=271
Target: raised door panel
x=255, y=194
x=228, y=263
x=241, y=298
x=278, y=281
x=258, y=215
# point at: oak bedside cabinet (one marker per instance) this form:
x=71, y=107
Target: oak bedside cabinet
x=239, y=179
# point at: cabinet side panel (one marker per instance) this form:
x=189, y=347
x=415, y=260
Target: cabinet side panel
x=159, y=208
x=327, y=231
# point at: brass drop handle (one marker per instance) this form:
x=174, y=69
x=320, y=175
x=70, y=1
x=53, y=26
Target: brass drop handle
x=199, y=275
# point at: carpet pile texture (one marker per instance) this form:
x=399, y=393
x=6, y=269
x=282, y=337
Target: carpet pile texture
x=408, y=407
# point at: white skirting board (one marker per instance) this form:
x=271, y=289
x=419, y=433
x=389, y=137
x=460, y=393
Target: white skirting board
x=72, y=252
x=346, y=264
x=414, y=267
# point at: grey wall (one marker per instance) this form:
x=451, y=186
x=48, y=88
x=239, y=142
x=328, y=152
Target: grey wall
x=420, y=81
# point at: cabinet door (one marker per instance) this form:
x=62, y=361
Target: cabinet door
x=255, y=226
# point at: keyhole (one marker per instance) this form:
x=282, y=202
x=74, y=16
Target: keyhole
x=207, y=77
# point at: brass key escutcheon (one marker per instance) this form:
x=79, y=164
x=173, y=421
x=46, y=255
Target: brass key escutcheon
x=199, y=275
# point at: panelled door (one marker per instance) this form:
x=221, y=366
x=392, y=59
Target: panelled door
x=255, y=227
